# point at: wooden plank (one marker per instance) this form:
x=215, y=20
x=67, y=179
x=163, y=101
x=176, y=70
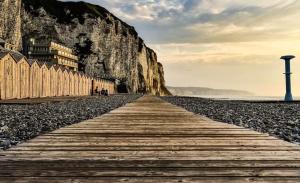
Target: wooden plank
x=156, y=148
x=151, y=172
x=85, y=163
x=149, y=142
x=151, y=179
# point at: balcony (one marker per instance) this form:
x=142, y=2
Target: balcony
x=64, y=54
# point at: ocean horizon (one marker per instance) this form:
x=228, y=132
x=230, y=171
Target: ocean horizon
x=250, y=98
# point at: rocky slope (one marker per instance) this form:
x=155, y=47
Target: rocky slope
x=107, y=46
x=10, y=21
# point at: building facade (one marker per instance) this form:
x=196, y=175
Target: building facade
x=49, y=51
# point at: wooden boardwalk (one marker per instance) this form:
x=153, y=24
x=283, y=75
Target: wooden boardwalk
x=152, y=141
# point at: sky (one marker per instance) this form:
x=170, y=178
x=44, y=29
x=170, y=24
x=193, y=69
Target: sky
x=224, y=44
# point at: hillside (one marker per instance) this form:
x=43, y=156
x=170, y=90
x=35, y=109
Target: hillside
x=190, y=91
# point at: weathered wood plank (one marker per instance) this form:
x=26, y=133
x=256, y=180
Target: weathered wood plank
x=151, y=172
x=151, y=179
x=156, y=142
x=84, y=163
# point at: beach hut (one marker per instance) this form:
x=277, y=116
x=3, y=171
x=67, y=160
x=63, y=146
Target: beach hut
x=81, y=84
x=6, y=75
x=72, y=83
x=45, y=80
x=76, y=82
x=23, y=78
x=1, y=75
x=9, y=66
x=60, y=81
x=101, y=84
x=3, y=56
x=95, y=84
x=113, y=87
x=16, y=80
x=34, y=80
x=104, y=84
x=85, y=80
x=66, y=82
x=53, y=80
x=89, y=85
x=109, y=88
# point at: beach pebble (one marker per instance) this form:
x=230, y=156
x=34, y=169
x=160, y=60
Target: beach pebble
x=281, y=120
x=22, y=122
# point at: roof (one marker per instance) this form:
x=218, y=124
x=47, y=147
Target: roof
x=56, y=67
x=31, y=61
x=40, y=63
x=16, y=55
x=49, y=64
x=2, y=40
x=60, y=67
x=66, y=69
x=80, y=73
x=3, y=53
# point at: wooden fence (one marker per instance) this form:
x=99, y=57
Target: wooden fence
x=30, y=79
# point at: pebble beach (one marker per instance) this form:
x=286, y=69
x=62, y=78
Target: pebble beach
x=23, y=122
x=278, y=119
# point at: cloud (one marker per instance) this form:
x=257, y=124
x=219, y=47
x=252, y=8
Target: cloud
x=202, y=21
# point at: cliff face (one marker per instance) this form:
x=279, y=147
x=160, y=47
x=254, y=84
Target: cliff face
x=10, y=21
x=107, y=47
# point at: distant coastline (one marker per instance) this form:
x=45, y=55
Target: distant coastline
x=207, y=92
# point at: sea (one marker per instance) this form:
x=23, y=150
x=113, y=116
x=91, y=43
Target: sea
x=247, y=98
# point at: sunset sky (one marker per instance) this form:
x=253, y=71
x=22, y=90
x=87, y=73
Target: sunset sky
x=228, y=44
